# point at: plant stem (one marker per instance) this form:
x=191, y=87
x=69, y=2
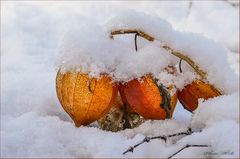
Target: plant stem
x=135, y=40
x=187, y=59
x=126, y=124
x=180, y=65
x=166, y=47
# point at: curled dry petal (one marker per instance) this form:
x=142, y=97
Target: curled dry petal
x=189, y=96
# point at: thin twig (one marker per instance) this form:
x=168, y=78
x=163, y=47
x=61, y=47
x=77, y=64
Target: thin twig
x=180, y=65
x=187, y=146
x=135, y=40
x=162, y=137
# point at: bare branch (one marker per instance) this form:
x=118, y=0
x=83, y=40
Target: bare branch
x=187, y=146
x=162, y=137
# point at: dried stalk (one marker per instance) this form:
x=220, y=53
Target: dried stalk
x=180, y=65
x=187, y=59
x=135, y=41
x=168, y=48
x=132, y=31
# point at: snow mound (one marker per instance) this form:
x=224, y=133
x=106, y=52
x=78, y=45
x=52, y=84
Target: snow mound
x=33, y=123
x=218, y=109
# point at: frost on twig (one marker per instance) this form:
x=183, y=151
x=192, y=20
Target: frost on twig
x=162, y=137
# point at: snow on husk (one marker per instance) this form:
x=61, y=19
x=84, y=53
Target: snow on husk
x=103, y=55
x=76, y=36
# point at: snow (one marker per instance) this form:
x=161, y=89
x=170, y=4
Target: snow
x=209, y=12
x=103, y=55
x=33, y=123
x=200, y=49
x=207, y=114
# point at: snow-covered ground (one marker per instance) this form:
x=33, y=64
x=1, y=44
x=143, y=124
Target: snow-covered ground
x=33, y=123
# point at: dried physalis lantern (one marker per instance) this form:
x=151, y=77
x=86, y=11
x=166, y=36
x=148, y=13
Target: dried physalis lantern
x=120, y=117
x=84, y=98
x=148, y=98
x=189, y=96
x=198, y=89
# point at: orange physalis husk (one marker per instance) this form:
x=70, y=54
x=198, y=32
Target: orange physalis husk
x=84, y=98
x=148, y=99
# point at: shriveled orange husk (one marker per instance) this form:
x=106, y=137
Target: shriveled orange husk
x=189, y=96
x=148, y=99
x=120, y=117
x=85, y=99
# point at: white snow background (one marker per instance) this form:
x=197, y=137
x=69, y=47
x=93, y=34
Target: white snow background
x=33, y=123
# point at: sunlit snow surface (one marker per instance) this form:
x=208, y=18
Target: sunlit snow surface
x=33, y=124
